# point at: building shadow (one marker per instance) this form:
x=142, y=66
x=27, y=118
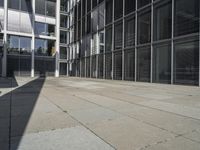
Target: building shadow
x=16, y=108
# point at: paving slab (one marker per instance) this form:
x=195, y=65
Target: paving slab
x=77, y=138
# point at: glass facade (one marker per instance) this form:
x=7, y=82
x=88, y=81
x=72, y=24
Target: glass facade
x=137, y=40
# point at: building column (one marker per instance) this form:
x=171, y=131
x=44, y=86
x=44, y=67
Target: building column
x=57, y=38
x=4, y=59
x=33, y=41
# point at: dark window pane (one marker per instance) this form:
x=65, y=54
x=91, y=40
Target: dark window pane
x=143, y=64
x=142, y=3
x=129, y=32
x=63, y=53
x=83, y=7
x=118, y=36
x=88, y=67
x=117, y=70
x=50, y=30
x=186, y=63
x=51, y=8
x=109, y=11
x=163, y=22
x=79, y=10
x=108, y=66
x=63, y=37
x=63, y=69
x=186, y=17
x=88, y=5
x=94, y=20
x=14, y=4
x=89, y=23
x=101, y=16
x=129, y=65
x=100, y=66
x=64, y=5
x=93, y=66
x=108, y=40
x=82, y=67
x=26, y=5
x=129, y=6
x=118, y=8
x=1, y=3
x=94, y=3
x=162, y=64
x=40, y=7
x=144, y=28
x=63, y=21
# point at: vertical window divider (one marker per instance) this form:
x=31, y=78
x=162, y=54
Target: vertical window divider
x=113, y=36
x=136, y=24
x=123, y=34
x=152, y=23
x=172, y=44
x=199, y=47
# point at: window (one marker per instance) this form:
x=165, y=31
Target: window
x=186, y=17
x=40, y=7
x=163, y=21
x=44, y=29
x=117, y=70
x=63, y=37
x=162, y=63
x=108, y=66
x=13, y=44
x=19, y=45
x=94, y=20
x=143, y=64
x=14, y=4
x=25, y=45
x=118, y=36
x=129, y=6
x=40, y=28
x=26, y=5
x=142, y=3
x=108, y=40
x=44, y=47
x=129, y=65
x=2, y=3
x=88, y=5
x=45, y=7
x=94, y=3
x=144, y=28
x=51, y=8
x=109, y=11
x=63, y=52
x=89, y=23
x=63, y=21
x=83, y=7
x=101, y=16
x=64, y=5
x=186, y=63
x=63, y=69
x=118, y=9
x=129, y=39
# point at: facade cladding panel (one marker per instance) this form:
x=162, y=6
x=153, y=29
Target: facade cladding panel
x=136, y=40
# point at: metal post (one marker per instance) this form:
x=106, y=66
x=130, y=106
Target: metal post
x=113, y=36
x=123, y=40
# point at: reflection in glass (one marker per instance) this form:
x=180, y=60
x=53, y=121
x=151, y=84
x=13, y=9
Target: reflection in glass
x=186, y=17
x=13, y=44
x=118, y=36
x=186, y=63
x=129, y=32
x=108, y=39
x=162, y=64
x=44, y=47
x=143, y=64
x=163, y=21
x=129, y=65
x=144, y=28
x=25, y=45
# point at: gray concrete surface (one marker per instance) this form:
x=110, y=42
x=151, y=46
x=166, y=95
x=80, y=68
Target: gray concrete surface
x=89, y=114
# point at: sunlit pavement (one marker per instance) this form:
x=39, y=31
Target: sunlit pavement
x=89, y=114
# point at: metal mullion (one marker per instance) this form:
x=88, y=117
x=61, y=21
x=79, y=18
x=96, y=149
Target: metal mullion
x=112, y=50
x=123, y=34
x=136, y=24
x=199, y=49
x=152, y=23
x=172, y=45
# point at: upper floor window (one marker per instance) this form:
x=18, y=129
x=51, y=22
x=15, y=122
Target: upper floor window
x=44, y=29
x=45, y=7
x=1, y=3
x=23, y=5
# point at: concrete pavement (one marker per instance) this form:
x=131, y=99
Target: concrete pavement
x=90, y=114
